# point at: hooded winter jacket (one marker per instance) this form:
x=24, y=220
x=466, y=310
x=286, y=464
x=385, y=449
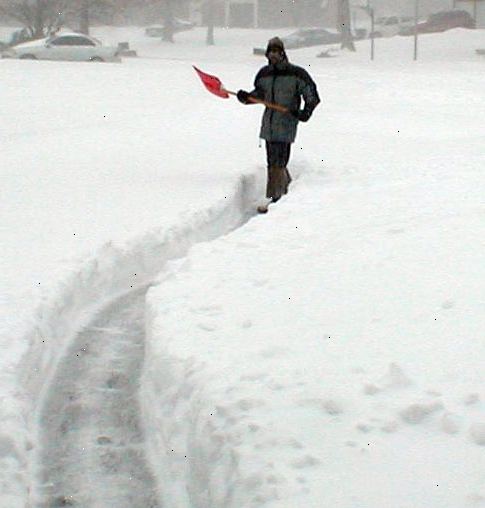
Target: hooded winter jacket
x=284, y=84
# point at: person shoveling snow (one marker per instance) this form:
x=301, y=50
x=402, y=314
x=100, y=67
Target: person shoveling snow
x=280, y=87
x=285, y=84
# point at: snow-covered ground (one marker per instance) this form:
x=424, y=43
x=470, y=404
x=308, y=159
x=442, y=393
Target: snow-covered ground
x=330, y=352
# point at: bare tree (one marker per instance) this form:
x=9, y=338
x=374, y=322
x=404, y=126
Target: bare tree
x=86, y=10
x=39, y=17
x=210, y=22
x=343, y=25
x=84, y=17
x=168, y=25
x=43, y=17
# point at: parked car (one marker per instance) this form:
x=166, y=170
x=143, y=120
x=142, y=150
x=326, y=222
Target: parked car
x=179, y=25
x=442, y=21
x=391, y=25
x=306, y=37
x=64, y=46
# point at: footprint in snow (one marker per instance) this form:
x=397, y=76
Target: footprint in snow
x=450, y=423
x=7, y=447
x=471, y=399
x=417, y=413
x=328, y=406
x=117, y=381
x=364, y=428
x=395, y=378
x=390, y=427
x=305, y=462
x=351, y=444
x=476, y=499
x=447, y=304
x=210, y=310
x=248, y=404
x=477, y=433
x=207, y=327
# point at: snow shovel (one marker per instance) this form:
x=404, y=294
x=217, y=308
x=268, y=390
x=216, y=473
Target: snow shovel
x=214, y=85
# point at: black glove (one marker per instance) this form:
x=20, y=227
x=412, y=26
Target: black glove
x=301, y=115
x=243, y=96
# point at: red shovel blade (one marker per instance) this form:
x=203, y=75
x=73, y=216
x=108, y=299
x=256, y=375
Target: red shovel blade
x=212, y=83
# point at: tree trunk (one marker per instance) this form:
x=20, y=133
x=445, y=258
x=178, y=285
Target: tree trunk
x=38, y=21
x=84, y=17
x=344, y=25
x=168, y=22
x=210, y=23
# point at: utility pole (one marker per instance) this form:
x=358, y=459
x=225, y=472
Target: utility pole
x=209, y=40
x=344, y=25
x=370, y=10
x=168, y=22
x=256, y=14
x=416, y=15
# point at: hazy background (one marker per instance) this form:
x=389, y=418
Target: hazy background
x=233, y=13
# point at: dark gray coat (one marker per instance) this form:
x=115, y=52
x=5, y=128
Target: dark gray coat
x=284, y=84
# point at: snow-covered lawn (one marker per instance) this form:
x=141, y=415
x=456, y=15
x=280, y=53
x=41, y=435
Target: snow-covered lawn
x=328, y=353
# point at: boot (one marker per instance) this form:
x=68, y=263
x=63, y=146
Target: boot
x=278, y=181
x=289, y=179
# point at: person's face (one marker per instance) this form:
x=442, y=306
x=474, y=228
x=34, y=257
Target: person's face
x=275, y=56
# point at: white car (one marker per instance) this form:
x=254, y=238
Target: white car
x=64, y=46
x=391, y=25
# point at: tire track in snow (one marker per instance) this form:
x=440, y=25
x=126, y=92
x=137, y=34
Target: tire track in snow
x=92, y=439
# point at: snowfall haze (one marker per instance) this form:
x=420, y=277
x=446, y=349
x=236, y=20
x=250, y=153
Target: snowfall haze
x=161, y=344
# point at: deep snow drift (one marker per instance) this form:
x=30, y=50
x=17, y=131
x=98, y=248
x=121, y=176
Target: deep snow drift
x=330, y=352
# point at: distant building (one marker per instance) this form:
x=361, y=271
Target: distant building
x=242, y=13
x=308, y=13
x=266, y=13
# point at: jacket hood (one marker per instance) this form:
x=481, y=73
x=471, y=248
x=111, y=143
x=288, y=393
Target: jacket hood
x=276, y=43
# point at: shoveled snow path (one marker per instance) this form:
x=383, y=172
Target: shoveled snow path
x=91, y=436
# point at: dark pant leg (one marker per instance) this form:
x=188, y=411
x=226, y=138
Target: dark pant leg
x=277, y=156
x=287, y=158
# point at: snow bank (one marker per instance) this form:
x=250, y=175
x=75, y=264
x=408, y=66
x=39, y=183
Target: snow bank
x=330, y=352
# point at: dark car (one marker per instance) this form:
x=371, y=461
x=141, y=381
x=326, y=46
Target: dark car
x=306, y=37
x=442, y=21
x=178, y=25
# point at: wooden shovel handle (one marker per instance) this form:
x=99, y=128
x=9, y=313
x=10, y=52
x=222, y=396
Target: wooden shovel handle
x=270, y=105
